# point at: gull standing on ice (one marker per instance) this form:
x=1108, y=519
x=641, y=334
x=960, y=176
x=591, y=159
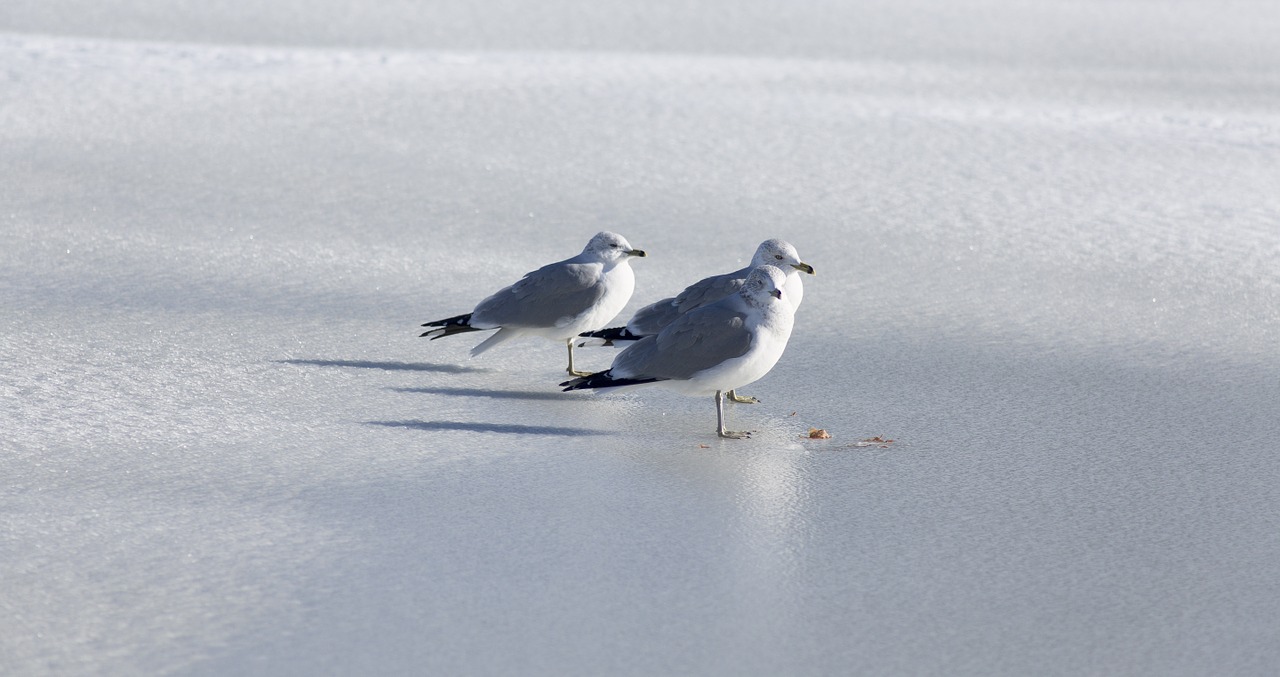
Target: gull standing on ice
x=723, y=345
x=557, y=301
x=652, y=318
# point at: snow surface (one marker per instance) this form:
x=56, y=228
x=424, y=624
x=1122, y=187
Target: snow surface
x=1047, y=238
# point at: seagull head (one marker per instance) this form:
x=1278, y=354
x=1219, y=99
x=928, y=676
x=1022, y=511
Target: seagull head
x=611, y=247
x=764, y=282
x=779, y=253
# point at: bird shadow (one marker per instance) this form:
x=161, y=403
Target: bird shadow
x=494, y=394
x=504, y=428
x=388, y=366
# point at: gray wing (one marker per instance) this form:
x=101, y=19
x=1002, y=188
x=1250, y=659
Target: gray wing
x=694, y=342
x=652, y=318
x=708, y=290
x=543, y=297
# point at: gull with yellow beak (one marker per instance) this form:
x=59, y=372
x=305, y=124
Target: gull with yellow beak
x=652, y=318
x=718, y=347
x=557, y=301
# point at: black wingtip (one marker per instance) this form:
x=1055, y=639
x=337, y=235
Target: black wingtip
x=602, y=379
x=455, y=321
x=612, y=334
x=587, y=381
x=579, y=381
x=449, y=326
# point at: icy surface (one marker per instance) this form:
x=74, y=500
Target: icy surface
x=1048, y=247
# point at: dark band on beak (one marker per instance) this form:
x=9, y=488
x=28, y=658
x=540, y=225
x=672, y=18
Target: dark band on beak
x=803, y=267
x=636, y=252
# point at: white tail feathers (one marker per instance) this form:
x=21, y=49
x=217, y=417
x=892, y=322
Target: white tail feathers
x=502, y=336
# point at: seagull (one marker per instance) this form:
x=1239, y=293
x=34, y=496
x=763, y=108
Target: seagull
x=652, y=318
x=724, y=345
x=557, y=301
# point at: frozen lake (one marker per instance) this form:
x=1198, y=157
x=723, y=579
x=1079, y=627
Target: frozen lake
x=1047, y=242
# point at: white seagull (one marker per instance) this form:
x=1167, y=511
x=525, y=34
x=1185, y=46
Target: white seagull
x=652, y=318
x=724, y=345
x=557, y=301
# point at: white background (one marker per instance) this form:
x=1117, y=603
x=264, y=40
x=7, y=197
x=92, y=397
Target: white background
x=1047, y=238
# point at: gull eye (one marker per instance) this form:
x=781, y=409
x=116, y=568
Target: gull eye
x=778, y=256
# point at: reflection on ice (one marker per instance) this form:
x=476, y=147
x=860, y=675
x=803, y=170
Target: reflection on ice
x=505, y=428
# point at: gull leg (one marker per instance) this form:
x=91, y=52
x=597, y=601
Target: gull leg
x=741, y=399
x=573, y=371
x=727, y=434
